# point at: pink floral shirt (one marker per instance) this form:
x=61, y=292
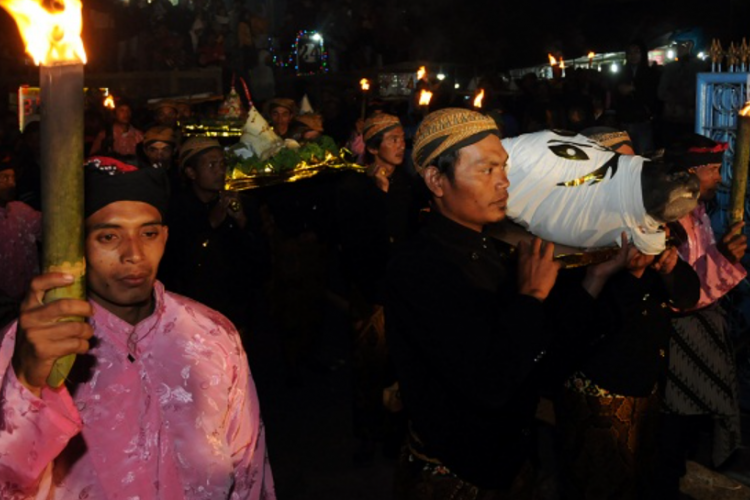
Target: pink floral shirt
x=20, y=230
x=179, y=421
x=717, y=275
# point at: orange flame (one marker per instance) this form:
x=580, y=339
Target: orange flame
x=424, y=97
x=50, y=36
x=109, y=102
x=746, y=110
x=365, y=83
x=421, y=73
x=591, y=55
x=478, y=99
x=552, y=60
x=562, y=63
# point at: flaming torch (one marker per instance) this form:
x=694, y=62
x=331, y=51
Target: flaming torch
x=109, y=102
x=424, y=100
x=591, y=59
x=53, y=39
x=421, y=73
x=740, y=166
x=365, y=84
x=478, y=99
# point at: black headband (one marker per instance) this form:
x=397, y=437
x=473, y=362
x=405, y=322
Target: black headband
x=108, y=180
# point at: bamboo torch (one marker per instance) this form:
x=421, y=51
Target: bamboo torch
x=53, y=39
x=740, y=166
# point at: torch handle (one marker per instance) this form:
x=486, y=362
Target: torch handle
x=740, y=170
x=62, y=186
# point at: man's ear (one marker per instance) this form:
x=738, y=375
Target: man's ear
x=434, y=180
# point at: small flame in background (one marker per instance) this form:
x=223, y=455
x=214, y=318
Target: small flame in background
x=562, y=64
x=421, y=73
x=478, y=99
x=746, y=110
x=365, y=83
x=50, y=36
x=552, y=60
x=591, y=55
x=424, y=98
x=109, y=102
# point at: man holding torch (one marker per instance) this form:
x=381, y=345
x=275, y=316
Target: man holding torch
x=162, y=405
x=701, y=384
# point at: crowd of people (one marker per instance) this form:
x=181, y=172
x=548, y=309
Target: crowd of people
x=455, y=336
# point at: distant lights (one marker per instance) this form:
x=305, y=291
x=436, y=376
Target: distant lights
x=317, y=37
x=614, y=68
x=670, y=54
x=441, y=76
x=457, y=86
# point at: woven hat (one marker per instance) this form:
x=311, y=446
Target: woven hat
x=379, y=124
x=159, y=133
x=608, y=137
x=312, y=121
x=449, y=130
x=282, y=102
x=196, y=145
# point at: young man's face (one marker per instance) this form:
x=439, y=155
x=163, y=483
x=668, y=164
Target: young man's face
x=124, y=245
x=391, y=150
x=159, y=152
x=710, y=179
x=123, y=114
x=167, y=115
x=280, y=118
x=478, y=193
x=210, y=172
x=7, y=185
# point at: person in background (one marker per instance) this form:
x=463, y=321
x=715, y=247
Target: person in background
x=121, y=137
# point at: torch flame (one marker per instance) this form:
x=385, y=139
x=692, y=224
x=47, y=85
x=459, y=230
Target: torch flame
x=424, y=97
x=562, y=63
x=591, y=55
x=478, y=99
x=552, y=60
x=109, y=102
x=50, y=36
x=421, y=73
x=746, y=110
x=365, y=84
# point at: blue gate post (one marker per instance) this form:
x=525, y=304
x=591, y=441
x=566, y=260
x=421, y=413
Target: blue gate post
x=719, y=97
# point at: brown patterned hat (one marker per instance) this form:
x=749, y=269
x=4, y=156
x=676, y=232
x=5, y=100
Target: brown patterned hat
x=448, y=130
x=608, y=137
x=159, y=133
x=196, y=145
x=379, y=124
x=312, y=121
x=282, y=102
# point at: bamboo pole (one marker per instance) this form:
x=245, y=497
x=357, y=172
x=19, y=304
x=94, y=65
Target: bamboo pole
x=62, y=187
x=740, y=167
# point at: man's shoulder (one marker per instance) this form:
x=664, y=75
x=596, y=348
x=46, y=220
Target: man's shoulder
x=195, y=314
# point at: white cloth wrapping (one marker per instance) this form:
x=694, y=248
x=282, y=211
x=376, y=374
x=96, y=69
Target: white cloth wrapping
x=592, y=214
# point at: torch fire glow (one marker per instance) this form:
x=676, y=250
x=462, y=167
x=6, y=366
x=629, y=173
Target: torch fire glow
x=552, y=60
x=109, y=102
x=478, y=99
x=365, y=84
x=591, y=59
x=421, y=73
x=53, y=39
x=740, y=166
x=424, y=97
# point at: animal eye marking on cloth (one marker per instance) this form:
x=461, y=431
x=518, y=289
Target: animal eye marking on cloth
x=569, y=152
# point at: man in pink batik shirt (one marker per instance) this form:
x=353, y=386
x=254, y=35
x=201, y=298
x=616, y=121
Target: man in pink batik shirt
x=161, y=406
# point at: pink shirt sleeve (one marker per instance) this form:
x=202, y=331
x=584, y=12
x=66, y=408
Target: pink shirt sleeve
x=247, y=439
x=33, y=431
